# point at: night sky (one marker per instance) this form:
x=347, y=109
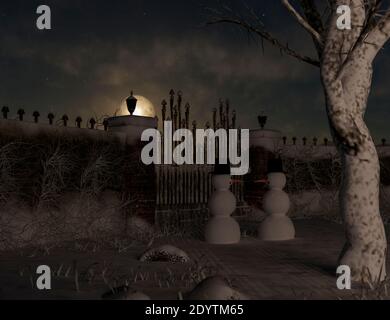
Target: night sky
x=98, y=50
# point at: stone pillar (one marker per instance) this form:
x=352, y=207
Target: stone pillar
x=139, y=180
x=131, y=126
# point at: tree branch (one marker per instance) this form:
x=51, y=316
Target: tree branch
x=263, y=34
x=313, y=16
x=305, y=24
x=377, y=37
x=315, y=19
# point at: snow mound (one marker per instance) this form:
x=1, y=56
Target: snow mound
x=215, y=288
x=165, y=253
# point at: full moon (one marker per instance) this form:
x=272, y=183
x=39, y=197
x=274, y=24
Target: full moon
x=144, y=108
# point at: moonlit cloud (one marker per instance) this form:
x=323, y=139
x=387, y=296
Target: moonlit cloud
x=98, y=52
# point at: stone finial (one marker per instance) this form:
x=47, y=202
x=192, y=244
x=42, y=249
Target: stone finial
x=65, y=120
x=92, y=123
x=51, y=117
x=79, y=120
x=105, y=124
x=36, y=116
x=21, y=113
x=262, y=121
x=5, y=111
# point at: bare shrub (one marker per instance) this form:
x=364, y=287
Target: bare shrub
x=313, y=181
x=56, y=188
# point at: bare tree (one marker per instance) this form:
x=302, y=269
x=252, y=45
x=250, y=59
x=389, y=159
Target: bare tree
x=345, y=60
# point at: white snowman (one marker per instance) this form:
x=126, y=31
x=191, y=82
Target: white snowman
x=222, y=228
x=277, y=226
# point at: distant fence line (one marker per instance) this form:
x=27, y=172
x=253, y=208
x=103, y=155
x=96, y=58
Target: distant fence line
x=92, y=123
x=304, y=141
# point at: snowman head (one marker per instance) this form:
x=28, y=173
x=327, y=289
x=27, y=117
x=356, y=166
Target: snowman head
x=277, y=180
x=222, y=176
x=222, y=181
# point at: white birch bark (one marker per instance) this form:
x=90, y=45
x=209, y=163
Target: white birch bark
x=346, y=70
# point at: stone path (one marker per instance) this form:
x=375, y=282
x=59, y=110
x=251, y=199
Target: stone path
x=298, y=269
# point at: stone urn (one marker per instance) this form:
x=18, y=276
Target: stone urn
x=222, y=228
x=276, y=204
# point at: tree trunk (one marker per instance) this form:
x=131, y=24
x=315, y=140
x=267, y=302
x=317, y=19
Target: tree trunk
x=365, y=249
x=366, y=245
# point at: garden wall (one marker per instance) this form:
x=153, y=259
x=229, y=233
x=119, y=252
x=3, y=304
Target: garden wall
x=61, y=184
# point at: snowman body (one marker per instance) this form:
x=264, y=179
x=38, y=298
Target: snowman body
x=222, y=228
x=277, y=226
